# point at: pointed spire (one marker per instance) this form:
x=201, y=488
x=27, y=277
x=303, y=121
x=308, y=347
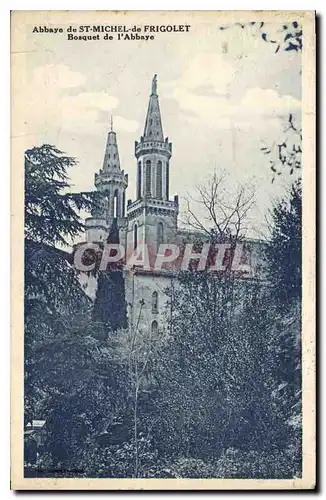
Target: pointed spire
x=111, y=157
x=153, y=126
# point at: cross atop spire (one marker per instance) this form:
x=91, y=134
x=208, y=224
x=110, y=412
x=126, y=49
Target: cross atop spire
x=154, y=85
x=111, y=157
x=153, y=126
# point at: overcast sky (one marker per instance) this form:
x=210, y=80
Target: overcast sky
x=223, y=95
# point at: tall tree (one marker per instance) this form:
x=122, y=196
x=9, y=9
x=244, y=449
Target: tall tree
x=284, y=248
x=51, y=219
x=52, y=290
x=110, y=303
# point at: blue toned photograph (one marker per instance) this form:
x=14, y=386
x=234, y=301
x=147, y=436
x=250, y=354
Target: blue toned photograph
x=163, y=189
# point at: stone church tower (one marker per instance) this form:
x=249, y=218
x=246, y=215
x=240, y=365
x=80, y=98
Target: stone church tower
x=111, y=183
x=152, y=217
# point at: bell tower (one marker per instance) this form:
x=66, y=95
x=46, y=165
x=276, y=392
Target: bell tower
x=152, y=217
x=111, y=183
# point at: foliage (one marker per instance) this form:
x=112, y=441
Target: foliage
x=218, y=395
x=52, y=290
x=110, y=306
x=110, y=303
x=233, y=382
x=283, y=249
x=286, y=155
x=239, y=464
x=288, y=37
x=51, y=213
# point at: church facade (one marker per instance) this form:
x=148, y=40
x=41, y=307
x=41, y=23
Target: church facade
x=150, y=220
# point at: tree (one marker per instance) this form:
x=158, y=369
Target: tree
x=193, y=379
x=51, y=218
x=284, y=248
x=50, y=213
x=284, y=258
x=52, y=290
x=110, y=303
x=224, y=213
x=223, y=377
x=87, y=401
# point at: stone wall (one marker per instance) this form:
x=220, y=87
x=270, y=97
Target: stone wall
x=140, y=287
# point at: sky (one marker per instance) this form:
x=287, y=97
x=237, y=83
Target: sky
x=223, y=95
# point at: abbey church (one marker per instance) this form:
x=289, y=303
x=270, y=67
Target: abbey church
x=151, y=219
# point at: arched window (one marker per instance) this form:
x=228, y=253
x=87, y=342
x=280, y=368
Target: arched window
x=154, y=327
x=123, y=203
x=159, y=180
x=106, y=202
x=139, y=181
x=135, y=236
x=155, y=302
x=148, y=185
x=115, y=203
x=160, y=234
x=167, y=181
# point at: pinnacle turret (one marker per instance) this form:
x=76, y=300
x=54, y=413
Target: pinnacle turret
x=111, y=158
x=153, y=126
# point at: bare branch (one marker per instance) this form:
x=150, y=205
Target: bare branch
x=222, y=213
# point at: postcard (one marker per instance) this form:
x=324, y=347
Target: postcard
x=163, y=250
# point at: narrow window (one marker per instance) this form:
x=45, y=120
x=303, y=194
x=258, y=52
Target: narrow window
x=155, y=302
x=160, y=234
x=154, y=327
x=135, y=236
x=167, y=181
x=148, y=178
x=123, y=203
x=159, y=180
x=139, y=181
x=115, y=204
